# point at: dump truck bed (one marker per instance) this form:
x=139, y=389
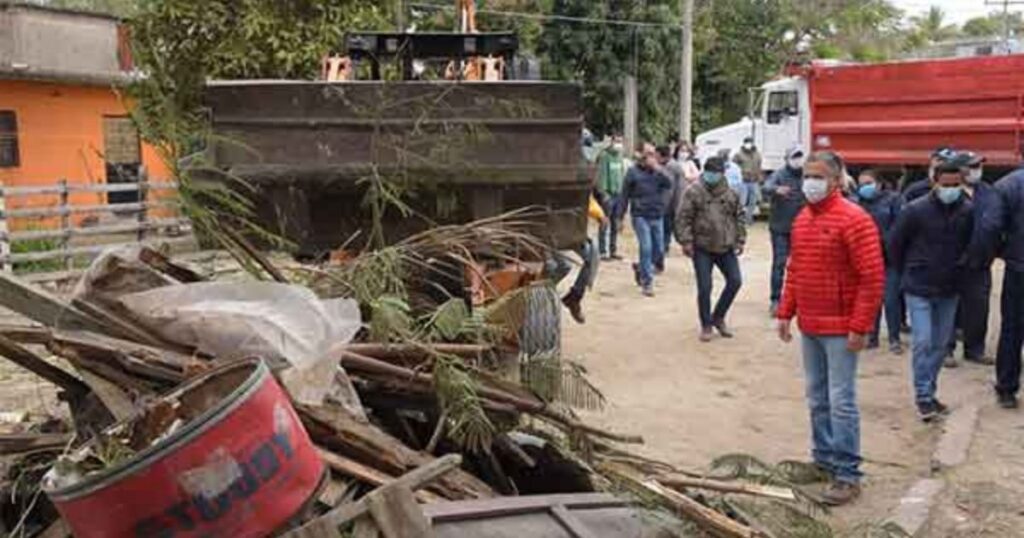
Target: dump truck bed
x=898, y=112
x=453, y=151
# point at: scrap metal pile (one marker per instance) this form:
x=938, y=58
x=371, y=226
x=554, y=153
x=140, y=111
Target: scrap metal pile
x=360, y=396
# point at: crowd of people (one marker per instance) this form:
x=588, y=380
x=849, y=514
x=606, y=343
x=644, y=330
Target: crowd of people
x=845, y=251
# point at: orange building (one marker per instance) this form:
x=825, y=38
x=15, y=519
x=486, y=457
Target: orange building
x=61, y=116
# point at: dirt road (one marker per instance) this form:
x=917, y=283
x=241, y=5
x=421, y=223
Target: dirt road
x=694, y=401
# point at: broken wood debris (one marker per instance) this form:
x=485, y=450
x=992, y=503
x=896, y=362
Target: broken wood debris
x=123, y=367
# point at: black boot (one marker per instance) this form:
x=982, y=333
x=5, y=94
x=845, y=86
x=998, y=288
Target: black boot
x=573, y=301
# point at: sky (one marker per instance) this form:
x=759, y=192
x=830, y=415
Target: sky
x=957, y=11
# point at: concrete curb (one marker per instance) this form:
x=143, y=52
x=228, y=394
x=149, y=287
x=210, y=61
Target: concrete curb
x=954, y=444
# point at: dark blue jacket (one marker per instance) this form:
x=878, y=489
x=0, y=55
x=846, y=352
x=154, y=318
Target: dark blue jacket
x=644, y=191
x=884, y=208
x=981, y=252
x=916, y=190
x=1002, y=224
x=929, y=245
x=784, y=208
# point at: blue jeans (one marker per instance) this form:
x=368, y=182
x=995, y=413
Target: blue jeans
x=932, y=320
x=649, y=235
x=1011, y=333
x=780, y=256
x=729, y=265
x=893, y=307
x=831, y=378
x=608, y=234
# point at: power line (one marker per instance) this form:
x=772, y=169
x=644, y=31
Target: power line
x=561, y=18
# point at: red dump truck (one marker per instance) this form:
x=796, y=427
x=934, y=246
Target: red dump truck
x=887, y=114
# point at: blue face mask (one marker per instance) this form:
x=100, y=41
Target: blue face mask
x=868, y=191
x=948, y=195
x=711, y=178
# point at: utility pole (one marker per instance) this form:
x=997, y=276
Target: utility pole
x=686, y=73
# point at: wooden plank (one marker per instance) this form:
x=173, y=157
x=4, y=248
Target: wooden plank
x=56, y=211
x=15, y=192
x=510, y=506
x=575, y=527
x=60, y=233
x=26, y=334
x=28, y=442
x=114, y=398
x=397, y=515
x=162, y=264
x=716, y=523
x=40, y=306
x=677, y=482
x=369, y=475
x=39, y=366
x=334, y=491
x=412, y=480
x=92, y=250
x=151, y=362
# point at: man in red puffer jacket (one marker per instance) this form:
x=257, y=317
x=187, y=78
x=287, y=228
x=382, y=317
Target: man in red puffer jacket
x=834, y=286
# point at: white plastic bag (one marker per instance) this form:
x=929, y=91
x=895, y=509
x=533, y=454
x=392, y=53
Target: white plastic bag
x=234, y=320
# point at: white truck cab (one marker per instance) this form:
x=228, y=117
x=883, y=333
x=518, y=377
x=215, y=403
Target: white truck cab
x=779, y=118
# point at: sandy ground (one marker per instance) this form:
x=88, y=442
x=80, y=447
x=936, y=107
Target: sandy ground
x=695, y=401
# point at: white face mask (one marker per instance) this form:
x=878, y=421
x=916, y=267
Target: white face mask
x=974, y=176
x=748, y=146
x=815, y=189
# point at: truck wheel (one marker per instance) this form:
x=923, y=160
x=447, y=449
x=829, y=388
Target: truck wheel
x=542, y=324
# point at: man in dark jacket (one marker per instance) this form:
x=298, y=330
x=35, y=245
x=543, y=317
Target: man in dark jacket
x=976, y=284
x=674, y=169
x=884, y=207
x=644, y=190
x=929, y=246
x=1003, y=226
x=712, y=230
x=783, y=188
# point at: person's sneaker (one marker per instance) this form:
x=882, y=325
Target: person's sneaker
x=1007, y=400
x=840, y=493
x=927, y=411
x=572, y=302
x=896, y=348
x=723, y=329
x=941, y=408
x=616, y=257
x=983, y=360
x=648, y=291
x=706, y=334
x=951, y=361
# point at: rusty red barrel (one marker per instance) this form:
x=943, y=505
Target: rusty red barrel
x=242, y=467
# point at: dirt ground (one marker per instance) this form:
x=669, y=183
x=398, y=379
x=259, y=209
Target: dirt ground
x=694, y=401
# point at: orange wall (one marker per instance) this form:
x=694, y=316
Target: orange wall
x=60, y=135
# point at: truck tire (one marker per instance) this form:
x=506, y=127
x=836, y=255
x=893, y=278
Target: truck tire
x=542, y=323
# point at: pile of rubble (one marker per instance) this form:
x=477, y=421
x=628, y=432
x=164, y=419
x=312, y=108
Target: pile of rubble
x=238, y=407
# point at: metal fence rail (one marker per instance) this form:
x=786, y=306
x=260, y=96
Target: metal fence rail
x=147, y=230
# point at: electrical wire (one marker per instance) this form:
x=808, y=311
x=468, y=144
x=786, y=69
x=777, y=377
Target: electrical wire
x=560, y=18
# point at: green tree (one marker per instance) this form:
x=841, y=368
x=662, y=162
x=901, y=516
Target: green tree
x=994, y=24
x=931, y=27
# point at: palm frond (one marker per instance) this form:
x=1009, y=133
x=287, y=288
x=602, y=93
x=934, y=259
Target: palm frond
x=555, y=380
x=468, y=424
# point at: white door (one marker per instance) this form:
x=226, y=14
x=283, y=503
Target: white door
x=781, y=126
